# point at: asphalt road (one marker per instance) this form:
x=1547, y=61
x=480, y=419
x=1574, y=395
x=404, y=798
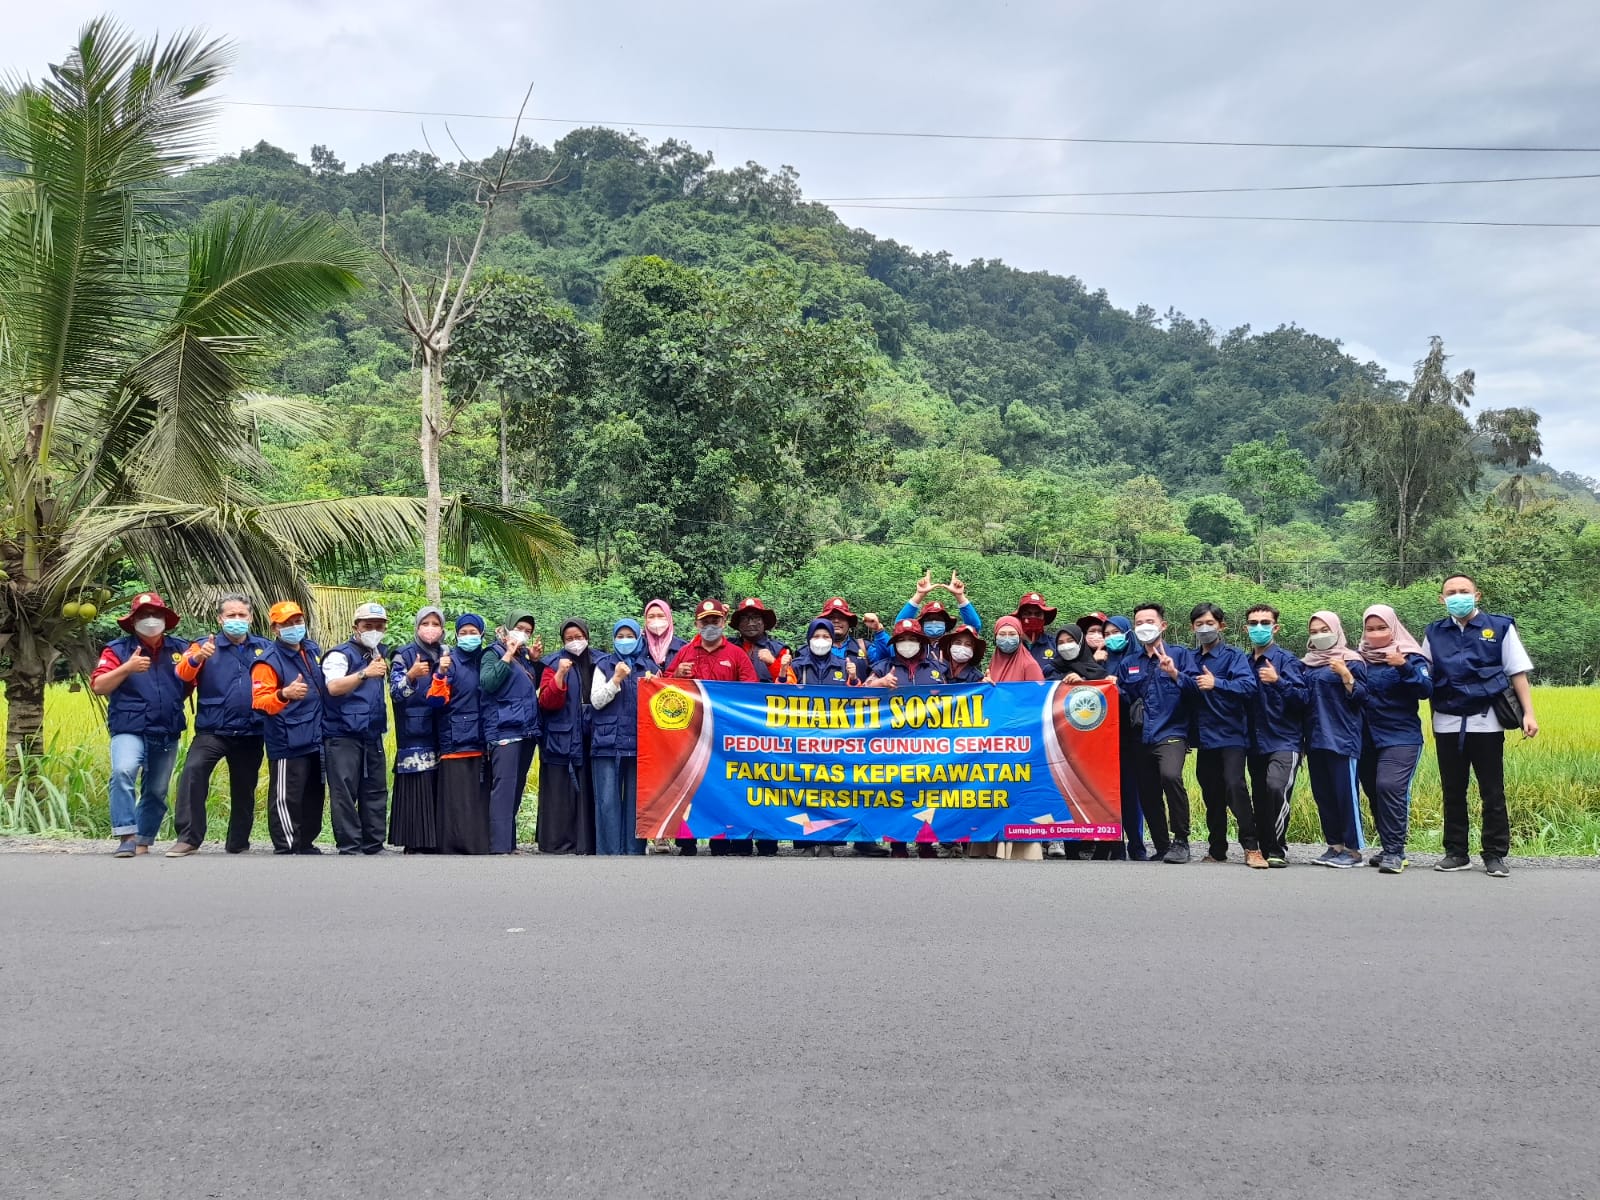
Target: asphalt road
x=421, y=1027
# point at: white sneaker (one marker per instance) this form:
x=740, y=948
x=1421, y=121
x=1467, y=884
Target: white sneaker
x=1055, y=850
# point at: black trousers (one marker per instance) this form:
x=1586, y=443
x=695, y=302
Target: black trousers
x=358, y=793
x=1162, y=794
x=1222, y=787
x=733, y=847
x=243, y=755
x=1386, y=776
x=294, y=802
x=1483, y=755
x=508, y=768
x=1272, y=779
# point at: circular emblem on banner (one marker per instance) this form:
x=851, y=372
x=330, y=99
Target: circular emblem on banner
x=671, y=709
x=1086, y=708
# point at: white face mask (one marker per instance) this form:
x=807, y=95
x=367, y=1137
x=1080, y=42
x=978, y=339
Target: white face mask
x=1147, y=633
x=576, y=646
x=658, y=625
x=1067, y=650
x=960, y=653
x=907, y=647
x=370, y=638
x=150, y=626
x=821, y=646
x=1322, y=641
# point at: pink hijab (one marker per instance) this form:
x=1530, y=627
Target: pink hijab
x=1018, y=666
x=1341, y=647
x=1403, y=641
x=658, y=643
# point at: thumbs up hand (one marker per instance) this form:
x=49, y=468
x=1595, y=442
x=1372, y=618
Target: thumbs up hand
x=296, y=690
x=206, y=648
x=139, y=663
x=1268, y=673
x=1207, y=680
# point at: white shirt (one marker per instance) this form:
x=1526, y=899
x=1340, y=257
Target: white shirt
x=1514, y=660
x=335, y=666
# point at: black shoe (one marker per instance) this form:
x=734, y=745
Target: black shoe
x=1453, y=862
x=309, y=850
x=1376, y=860
x=1496, y=866
x=238, y=849
x=1178, y=854
x=871, y=850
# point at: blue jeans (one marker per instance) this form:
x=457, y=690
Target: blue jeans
x=140, y=805
x=616, y=802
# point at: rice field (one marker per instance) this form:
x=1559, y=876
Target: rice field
x=1553, y=783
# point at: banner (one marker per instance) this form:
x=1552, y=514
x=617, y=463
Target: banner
x=975, y=762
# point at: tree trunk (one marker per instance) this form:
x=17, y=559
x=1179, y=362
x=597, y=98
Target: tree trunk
x=505, y=462
x=24, y=713
x=432, y=434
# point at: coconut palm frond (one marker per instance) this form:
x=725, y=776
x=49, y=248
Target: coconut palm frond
x=533, y=544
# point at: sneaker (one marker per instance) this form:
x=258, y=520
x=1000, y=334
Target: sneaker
x=1215, y=859
x=1325, y=859
x=1178, y=854
x=1453, y=862
x=1392, y=864
x=1277, y=861
x=1496, y=866
x=1255, y=860
x=1344, y=860
x=1376, y=860
x=182, y=850
x=309, y=850
x=1055, y=850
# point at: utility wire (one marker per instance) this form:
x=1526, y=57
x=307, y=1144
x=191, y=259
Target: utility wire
x=1062, y=212
x=927, y=134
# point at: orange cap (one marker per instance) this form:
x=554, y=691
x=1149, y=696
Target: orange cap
x=282, y=611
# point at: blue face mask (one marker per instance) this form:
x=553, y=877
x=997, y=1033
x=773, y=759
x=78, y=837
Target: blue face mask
x=469, y=641
x=1007, y=643
x=236, y=627
x=1260, y=635
x=1116, y=641
x=1461, y=606
x=625, y=645
x=293, y=634
x=933, y=628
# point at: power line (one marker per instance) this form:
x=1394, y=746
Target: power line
x=927, y=134
x=1062, y=212
x=1204, y=191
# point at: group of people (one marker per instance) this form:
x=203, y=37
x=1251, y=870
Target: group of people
x=471, y=704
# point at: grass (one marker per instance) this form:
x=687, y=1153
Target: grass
x=1552, y=783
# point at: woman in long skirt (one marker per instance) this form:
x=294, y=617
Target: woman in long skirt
x=463, y=788
x=417, y=696
x=566, y=794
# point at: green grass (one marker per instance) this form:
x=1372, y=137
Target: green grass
x=1552, y=782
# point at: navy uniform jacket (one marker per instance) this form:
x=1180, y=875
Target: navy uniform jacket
x=1333, y=718
x=1167, y=702
x=1222, y=715
x=1393, y=694
x=924, y=672
x=1278, y=710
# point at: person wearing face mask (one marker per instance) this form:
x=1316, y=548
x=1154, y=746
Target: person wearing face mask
x=288, y=689
x=1033, y=617
x=1074, y=659
x=1277, y=732
x=614, y=747
x=1159, y=683
x=752, y=623
x=1116, y=644
x=1221, y=728
x=417, y=692
x=850, y=652
x=911, y=666
x=566, y=786
x=509, y=678
x=1336, y=683
x=463, y=783
x=1011, y=664
x=1480, y=682
x=1398, y=680
x=662, y=644
x=354, y=724
x=138, y=676
x=711, y=657
x=226, y=728
x=964, y=651
x=816, y=666
x=934, y=618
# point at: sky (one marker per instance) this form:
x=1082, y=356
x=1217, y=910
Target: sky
x=1518, y=305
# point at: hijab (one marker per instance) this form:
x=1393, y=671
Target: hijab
x=582, y=663
x=639, y=661
x=816, y=662
x=659, y=644
x=1403, y=641
x=1341, y=647
x=431, y=653
x=1018, y=666
x=476, y=621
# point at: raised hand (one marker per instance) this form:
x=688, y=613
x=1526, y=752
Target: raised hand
x=956, y=588
x=1394, y=658
x=622, y=672
x=564, y=668
x=850, y=668
x=1166, y=664
x=376, y=669
x=1207, y=680
x=537, y=648
x=924, y=586
x=139, y=663
x=685, y=671
x=296, y=690
x=1268, y=673
x=206, y=648
x=766, y=657
x=1102, y=654
x=418, y=669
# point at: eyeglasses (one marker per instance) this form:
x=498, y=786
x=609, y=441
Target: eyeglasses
x=1260, y=624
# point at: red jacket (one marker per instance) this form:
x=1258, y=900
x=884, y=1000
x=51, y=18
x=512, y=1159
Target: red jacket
x=725, y=664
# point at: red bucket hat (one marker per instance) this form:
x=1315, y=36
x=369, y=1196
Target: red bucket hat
x=1037, y=601
x=837, y=605
x=983, y=646
x=152, y=602
x=753, y=605
x=1094, y=618
x=910, y=628
x=934, y=609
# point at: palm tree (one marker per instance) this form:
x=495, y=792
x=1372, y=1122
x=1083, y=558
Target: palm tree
x=128, y=430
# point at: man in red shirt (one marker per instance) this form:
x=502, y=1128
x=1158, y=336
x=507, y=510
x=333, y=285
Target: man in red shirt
x=710, y=657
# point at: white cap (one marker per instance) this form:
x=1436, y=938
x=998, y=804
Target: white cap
x=371, y=611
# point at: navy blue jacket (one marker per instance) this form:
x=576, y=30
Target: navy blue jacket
x=416, y=717
x=222, y=693
x=1278, y=710
x=566, y=729
x=925, y=672
x=361, y=713
x=461, y=719
x=1222, y=715
x=854, y=649
x=614, y=729
x=1467, y=671
x=151, y=702
x=512, y=711
x=1393, y=694
x=1168, y=703
x=297, y=729
x=1043, y=650
x=1333, y=718
x=750, y=649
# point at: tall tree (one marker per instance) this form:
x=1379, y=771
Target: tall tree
x=1514, y=441
x=1269, y=479
x=1412, y=455
x=128, y=428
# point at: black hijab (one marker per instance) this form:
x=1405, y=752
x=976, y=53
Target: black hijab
x=582, y=663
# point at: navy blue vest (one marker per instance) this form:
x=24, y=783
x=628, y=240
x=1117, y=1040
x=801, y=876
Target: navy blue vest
x=150, y=703
x=926, y=672
x=415, y=720
x=1467, y=671
x=361, y=713
x=461, y=721
x=297, y=730
x=223, y=690
x=615, y=731
x=513, y=711
x=566, y=728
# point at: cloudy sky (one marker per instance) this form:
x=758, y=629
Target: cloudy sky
x=1517, y=304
